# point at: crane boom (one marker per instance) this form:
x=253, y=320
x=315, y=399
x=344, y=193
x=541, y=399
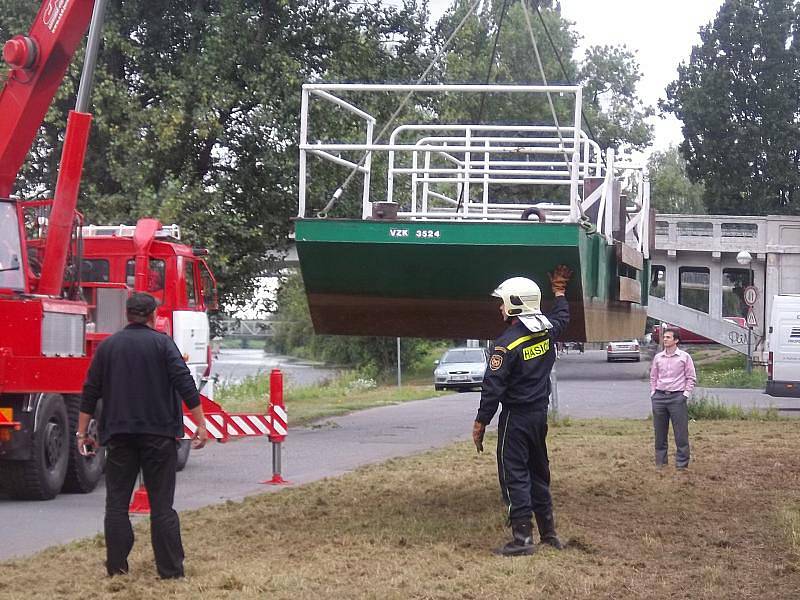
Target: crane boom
x=38, y=63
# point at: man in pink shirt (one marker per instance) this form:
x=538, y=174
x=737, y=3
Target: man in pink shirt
x=672, y=379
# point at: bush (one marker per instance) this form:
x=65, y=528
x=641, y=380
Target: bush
x=730, y=372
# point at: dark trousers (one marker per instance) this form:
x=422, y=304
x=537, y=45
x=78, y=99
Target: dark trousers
x=671, y=406
x=156, y=456
x=522, y=465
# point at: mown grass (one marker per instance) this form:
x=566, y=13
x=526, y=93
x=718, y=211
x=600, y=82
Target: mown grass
x=423, y=527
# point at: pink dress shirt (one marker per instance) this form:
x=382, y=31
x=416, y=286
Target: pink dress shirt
x=673, y=372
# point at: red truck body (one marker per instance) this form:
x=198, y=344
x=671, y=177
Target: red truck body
x=63, y=286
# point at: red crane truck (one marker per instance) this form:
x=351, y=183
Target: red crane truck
x=63, y=284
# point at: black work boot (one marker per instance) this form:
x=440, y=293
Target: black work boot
x=522, y=542
x=547, y=531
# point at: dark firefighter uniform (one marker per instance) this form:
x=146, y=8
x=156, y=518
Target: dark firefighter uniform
x=518, y=376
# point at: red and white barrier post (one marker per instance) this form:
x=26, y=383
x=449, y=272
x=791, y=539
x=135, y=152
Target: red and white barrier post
x=277, y=412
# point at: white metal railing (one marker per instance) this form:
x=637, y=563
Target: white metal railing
x=166, y=231
x=445, y=171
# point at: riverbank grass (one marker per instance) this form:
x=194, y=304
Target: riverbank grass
x=345, y=393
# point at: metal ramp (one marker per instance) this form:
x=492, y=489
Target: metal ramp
x=446, y=211
x=723, y=332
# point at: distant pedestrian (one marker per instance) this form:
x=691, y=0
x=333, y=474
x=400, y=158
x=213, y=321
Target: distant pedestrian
x=137, y=372
x=672, y=379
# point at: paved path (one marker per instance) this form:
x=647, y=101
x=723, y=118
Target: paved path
x=588, y=386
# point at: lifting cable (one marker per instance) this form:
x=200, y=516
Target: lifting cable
x=403, y=102
x=549, y=96
x=544, y=81
x=503, y=12
x=479, y=118
x=563, y=68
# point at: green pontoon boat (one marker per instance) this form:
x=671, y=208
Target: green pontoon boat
x=450, y=221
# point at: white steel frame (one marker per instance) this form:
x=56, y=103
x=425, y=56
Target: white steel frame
x=445, y=163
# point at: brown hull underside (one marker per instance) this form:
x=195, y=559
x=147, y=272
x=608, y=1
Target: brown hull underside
x=340, y=314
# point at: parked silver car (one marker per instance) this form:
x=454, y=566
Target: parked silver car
x=460, y=368
x=623, y=350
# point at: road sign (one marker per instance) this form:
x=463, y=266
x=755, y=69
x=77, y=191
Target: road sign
x=750, y=295
x=751, y=319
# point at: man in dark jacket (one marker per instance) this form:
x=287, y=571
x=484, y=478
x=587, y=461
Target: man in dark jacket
x=137, y=372
x=518, y=375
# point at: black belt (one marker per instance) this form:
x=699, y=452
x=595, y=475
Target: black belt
x=670, y=391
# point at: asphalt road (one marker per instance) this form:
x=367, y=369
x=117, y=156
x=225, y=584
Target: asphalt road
x=588, y=387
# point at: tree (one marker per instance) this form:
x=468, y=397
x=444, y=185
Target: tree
x=197, y=108
x=671, y=190
x=609, y=74
x=739, y=99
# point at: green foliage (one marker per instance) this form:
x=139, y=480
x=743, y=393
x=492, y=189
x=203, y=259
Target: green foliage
x=731, y=372
x=196, y=113
x=738, y=99
x=671, y=190
x=710, y=408
x=609, y=73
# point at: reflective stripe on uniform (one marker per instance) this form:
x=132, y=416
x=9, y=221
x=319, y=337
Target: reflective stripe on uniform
x=503, y=466
x=526, y=338
x=519, y=341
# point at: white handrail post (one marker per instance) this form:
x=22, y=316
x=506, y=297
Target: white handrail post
x=425, y=184
x=414, y=164
x=586, y=151
x=467, y=168
x=608, y=219
x=390, y=173
x=645, y=210
x=301, y=204
x=574, y=200
x=486, y=157
x=366, y=205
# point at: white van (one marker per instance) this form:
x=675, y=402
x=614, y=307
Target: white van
x=783, y=344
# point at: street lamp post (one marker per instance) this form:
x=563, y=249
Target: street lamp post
x=745, y=259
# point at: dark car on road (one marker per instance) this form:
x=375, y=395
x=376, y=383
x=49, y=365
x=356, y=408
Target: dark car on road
x=460, y=369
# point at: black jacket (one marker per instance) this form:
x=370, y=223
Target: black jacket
x=518, y=374
x=138, y=372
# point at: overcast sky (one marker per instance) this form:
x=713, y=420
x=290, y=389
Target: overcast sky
x=661, y=33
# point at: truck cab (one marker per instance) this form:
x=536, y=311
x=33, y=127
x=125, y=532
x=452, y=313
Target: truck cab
x=177, y=276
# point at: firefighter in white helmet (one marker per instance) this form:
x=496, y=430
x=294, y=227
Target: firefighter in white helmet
x=518, y=376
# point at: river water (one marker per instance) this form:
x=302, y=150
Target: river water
x=233, y=365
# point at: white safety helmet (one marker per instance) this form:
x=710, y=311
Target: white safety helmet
x=522, y=299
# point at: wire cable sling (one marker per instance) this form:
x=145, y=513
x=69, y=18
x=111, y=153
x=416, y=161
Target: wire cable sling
x=337, y=194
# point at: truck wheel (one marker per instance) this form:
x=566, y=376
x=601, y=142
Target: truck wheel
x=183, y=453
x=41, y=477
x=83, y=472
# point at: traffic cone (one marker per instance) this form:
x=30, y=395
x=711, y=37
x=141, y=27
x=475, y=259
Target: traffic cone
x=140, y=504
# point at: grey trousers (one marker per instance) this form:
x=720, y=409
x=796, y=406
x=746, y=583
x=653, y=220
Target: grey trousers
x=671, y=406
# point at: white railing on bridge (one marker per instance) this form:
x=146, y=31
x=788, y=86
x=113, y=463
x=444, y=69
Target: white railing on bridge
x=440, y=171
x=720, y=233
x=250, y=328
